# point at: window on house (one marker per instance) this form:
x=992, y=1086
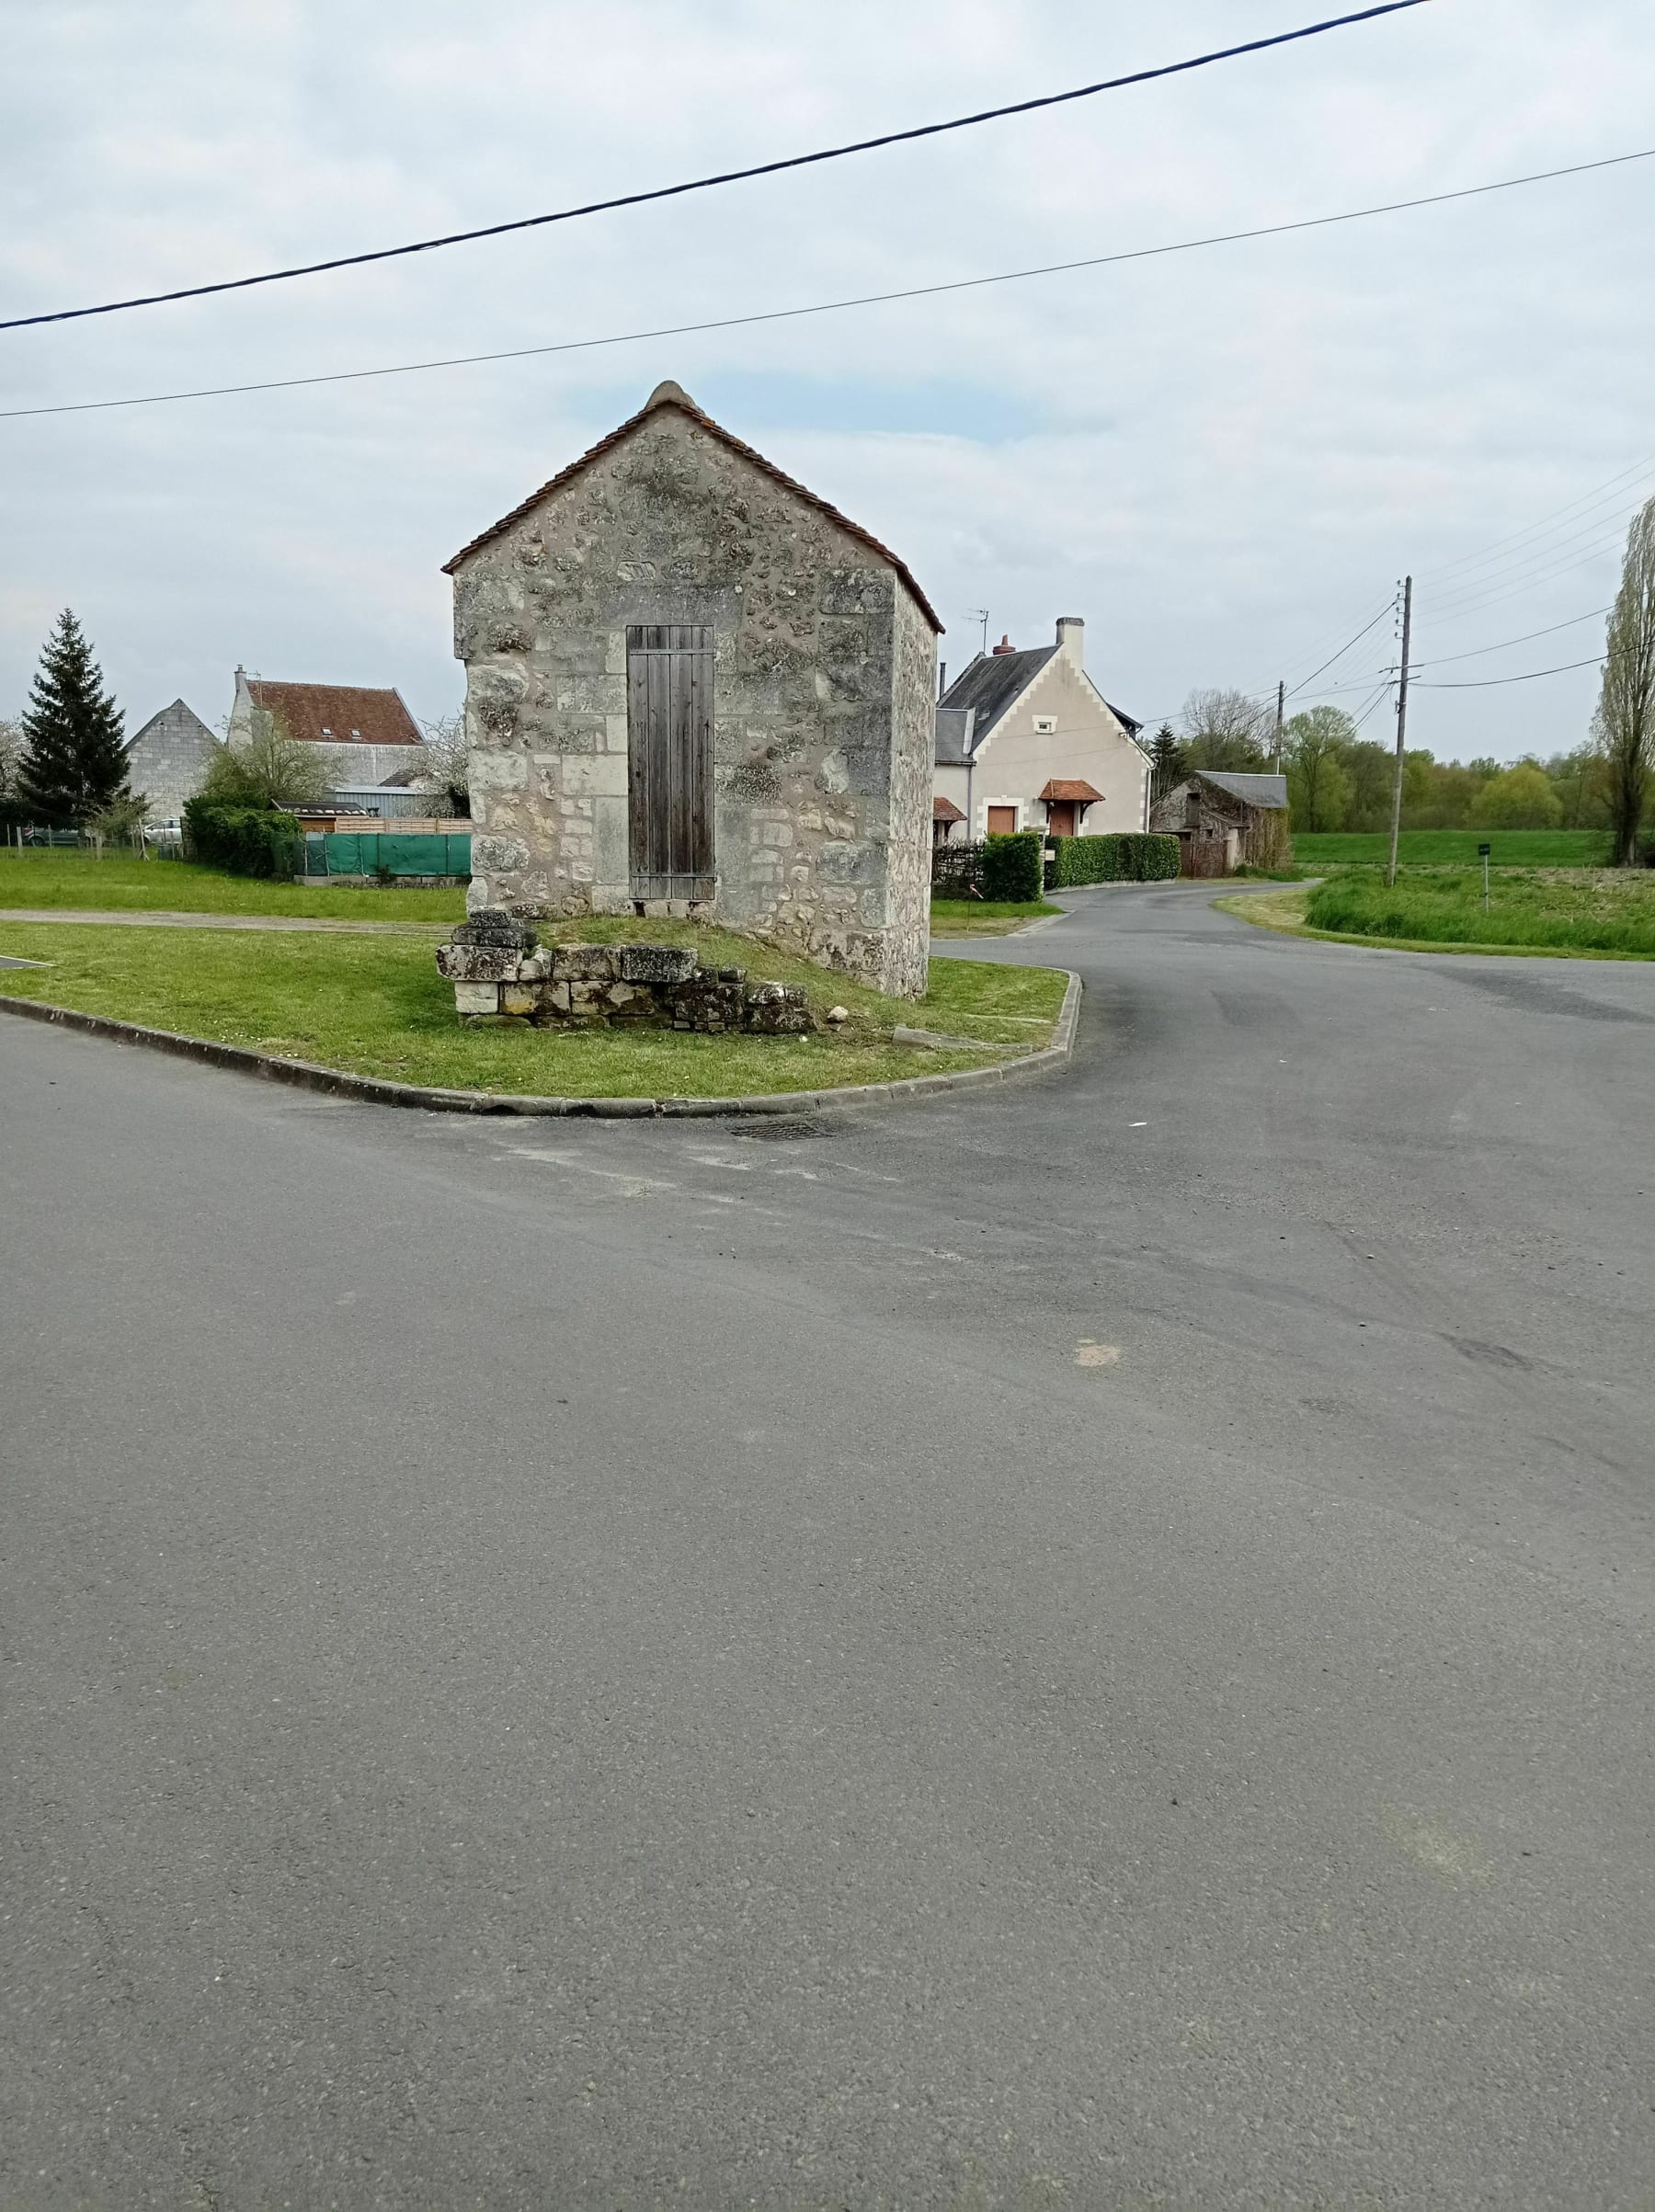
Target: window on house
x=325, y=731
x=1045, y=725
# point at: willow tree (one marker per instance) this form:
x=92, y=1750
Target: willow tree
x=1624, y=723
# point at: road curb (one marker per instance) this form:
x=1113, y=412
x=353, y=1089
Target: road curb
x=374, y=1090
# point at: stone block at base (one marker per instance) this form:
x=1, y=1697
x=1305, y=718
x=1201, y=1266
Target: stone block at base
x=477, y=998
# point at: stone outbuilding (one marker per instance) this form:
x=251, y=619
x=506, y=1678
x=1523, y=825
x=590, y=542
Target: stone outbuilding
x=1221, y=820
x=167, y=760
x=695, y=689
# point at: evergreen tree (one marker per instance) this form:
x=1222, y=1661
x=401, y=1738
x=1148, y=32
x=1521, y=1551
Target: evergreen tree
x=1167, y=762
x=75, y=762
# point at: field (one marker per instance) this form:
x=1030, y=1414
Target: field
x=1437, y=848
x=376, y=1006
x=121, y=882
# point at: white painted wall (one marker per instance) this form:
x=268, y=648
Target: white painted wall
x=1017, y=759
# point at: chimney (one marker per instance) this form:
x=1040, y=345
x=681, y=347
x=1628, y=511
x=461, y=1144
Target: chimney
x=1005, y=646
x=942, y=680
x=1071, y=638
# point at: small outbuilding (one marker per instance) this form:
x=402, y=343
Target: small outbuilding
x=1222, y=820
x=693, y=688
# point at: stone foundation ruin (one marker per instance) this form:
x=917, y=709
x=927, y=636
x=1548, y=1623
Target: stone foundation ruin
x=499, y=967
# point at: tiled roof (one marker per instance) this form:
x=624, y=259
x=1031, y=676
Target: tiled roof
x=669, y=395
x=1071, y=787
x=335, y=713
x=944, y=810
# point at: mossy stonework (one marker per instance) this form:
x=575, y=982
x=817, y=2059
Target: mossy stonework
x=824, y=683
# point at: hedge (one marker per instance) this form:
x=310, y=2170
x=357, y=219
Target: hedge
x=1011, y=866
x=247, y=840
x=1125, y=857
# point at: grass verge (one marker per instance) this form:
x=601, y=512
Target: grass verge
x=376, y=1006
x=120, y=882
x=984, y=917
x=1578, y=915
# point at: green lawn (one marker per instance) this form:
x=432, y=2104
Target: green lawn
x=376, y=1006
x=121, y=882
x=1426, y=847
x=984, y=917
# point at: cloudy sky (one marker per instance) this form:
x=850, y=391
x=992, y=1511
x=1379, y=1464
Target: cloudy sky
x=1222, y=459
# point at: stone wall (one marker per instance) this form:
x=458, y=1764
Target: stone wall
x=823, y=692
x=167, y=758
x=496, y=967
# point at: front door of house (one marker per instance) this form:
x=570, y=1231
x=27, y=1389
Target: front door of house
x=669, y=757
x=1060, y=818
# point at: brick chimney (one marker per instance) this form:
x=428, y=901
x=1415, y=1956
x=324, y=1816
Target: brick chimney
x=1005, y=646
x=1071, y=638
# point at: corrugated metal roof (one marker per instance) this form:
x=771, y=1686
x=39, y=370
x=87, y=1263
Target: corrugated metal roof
x=669, y=395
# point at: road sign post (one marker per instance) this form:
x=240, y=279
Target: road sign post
x=1482, y=853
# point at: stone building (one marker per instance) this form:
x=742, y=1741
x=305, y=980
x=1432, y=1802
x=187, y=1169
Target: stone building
x=695, y=688
x=364, y=732
x=1222, y=820
x=167, y=760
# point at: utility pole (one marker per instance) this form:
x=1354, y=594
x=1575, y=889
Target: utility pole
x=1390, y=874
x=1280, y=710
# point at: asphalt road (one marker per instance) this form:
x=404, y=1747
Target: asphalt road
x=1086, y=1648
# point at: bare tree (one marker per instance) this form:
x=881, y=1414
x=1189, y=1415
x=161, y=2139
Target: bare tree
x=1226, y=729
x=12, y=749
x=1624, y=726
x=269, y=769
x=446, y=761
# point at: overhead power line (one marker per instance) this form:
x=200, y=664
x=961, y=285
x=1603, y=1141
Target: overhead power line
x=1477, y=652
x=726, y=176
x=877, y=299
x=1484, y=683
x=1596, y=496
x=1387, y=608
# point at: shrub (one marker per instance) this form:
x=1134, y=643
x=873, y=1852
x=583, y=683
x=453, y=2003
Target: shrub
x=957, y=870
x=1124, y=857
x=247, y=840
x=1012, y=870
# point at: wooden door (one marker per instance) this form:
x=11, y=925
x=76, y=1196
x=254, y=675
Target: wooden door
x=1002, y=821
x=1061, y=819
x=669, y=749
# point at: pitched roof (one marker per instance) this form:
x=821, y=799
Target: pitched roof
x=335, y=713
x=1124, y=718
x=177, y=724
x=991, y=683
x=953, y=735
x=944, y=810
x=1071, y=787
x=669, y=395
x=1252, y=791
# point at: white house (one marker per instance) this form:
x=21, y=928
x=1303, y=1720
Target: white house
x=1027, y=741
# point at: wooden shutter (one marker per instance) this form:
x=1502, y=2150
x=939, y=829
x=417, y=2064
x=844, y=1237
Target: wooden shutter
x=1002, y=821
x=669, y=746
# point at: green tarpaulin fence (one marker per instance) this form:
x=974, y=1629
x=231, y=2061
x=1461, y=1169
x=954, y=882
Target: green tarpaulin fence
x=365, y=852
